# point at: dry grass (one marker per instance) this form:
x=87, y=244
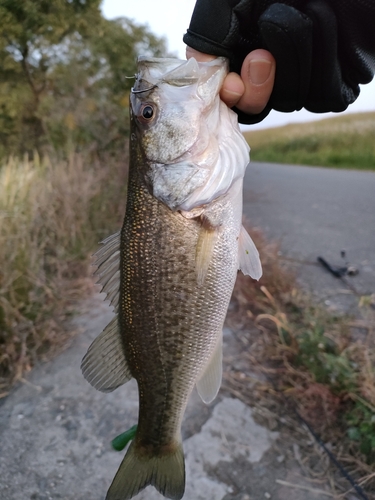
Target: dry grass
x=295, y=355
x=52, y=214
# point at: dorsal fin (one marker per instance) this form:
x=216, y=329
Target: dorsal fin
x=107, y=258
x=104, y=366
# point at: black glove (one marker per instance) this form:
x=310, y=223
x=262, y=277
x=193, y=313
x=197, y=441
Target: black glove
x=313, y=70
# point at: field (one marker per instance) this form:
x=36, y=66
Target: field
x=341, y=142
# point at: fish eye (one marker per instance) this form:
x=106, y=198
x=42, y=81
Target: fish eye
x=146, y=113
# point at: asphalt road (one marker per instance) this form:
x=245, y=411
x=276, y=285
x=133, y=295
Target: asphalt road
x=315, y=212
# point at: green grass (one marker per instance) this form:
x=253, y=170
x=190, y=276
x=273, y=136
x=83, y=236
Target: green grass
x=346, y=141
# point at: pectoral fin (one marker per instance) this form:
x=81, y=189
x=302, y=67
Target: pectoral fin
x=209, y=384
x=248, y=256
x=104, y=365
x=205, y=247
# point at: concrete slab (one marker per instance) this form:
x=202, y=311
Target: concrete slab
x=55, y=434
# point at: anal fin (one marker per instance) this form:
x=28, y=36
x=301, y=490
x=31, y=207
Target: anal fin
x=209, y=383
x=248, y=256
x=104, y=365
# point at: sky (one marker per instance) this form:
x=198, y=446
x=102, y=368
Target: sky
x=170, y=19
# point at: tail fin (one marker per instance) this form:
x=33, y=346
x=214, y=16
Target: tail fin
x=166, y=473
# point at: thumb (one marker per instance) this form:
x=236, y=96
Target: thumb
x=258, y=75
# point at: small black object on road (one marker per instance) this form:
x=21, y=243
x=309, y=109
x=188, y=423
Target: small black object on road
x=339, y=272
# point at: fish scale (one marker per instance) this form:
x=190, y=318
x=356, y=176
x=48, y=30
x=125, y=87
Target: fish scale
x=180, y=334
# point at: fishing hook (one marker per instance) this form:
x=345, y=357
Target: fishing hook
x=143, y=90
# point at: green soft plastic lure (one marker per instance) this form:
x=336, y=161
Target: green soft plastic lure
x=123, y=439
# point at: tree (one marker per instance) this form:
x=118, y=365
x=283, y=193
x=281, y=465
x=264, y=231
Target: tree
x=63, y=71
x=90, y=99
x=30, y=36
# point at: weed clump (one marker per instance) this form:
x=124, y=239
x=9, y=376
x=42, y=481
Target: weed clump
x=308, y=359
x=53, y=212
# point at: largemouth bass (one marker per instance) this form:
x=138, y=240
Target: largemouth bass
x=171, y=270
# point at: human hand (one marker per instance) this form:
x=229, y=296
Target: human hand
x=251, y=90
